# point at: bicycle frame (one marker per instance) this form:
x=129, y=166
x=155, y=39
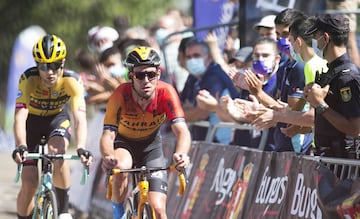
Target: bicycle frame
x=45, y=191
x=139, y=194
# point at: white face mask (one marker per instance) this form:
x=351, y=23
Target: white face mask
x=296, y=56
x=117, y=70
x=318, y=52
x=196, y=66
x=160, y=35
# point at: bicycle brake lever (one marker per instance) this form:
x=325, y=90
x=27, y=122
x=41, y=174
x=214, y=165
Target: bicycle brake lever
x=108, y=174
x=18, y=173
x=84, y=175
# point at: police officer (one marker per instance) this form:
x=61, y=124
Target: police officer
x=335, y=95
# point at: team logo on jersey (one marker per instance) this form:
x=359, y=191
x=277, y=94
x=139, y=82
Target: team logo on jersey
x=55, y=93
x=19, y=94
x=345, y=94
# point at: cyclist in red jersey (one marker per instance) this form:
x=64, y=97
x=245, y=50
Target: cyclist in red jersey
x=40, y=111
x=131, y=135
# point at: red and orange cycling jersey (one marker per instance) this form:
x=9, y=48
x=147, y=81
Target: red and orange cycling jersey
x=126, y=117
x=43, y=101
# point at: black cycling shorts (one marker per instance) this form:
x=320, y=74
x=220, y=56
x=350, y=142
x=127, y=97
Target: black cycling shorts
x=48, y=126
x=150, y=154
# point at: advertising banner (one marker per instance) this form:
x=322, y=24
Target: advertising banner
x=237, y=182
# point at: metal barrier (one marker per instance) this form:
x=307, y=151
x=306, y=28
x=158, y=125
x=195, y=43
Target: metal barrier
x=244, y=126
x=341, y=167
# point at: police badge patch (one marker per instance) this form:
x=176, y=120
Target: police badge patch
x=345, y=94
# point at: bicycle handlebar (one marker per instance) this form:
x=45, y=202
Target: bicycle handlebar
x=145, y=170
x=50, y=158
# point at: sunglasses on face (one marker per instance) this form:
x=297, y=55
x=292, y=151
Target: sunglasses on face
x=140, y=75
x=47, y=66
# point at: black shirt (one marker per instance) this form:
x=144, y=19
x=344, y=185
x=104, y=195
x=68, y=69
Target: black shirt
x=343, y=97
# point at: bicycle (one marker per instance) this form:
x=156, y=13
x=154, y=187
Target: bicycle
x=46, y=206
x=137, y=202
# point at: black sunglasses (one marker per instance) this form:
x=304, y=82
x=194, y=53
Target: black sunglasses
x=140, y=75
x=47, y=66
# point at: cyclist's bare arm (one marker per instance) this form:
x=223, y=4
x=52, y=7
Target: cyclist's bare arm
x=80, y=123
x=183, y=144
x=80, y=128
x=20, y=130
x=107, y=149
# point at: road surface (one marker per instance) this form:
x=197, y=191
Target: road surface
x=8, y=189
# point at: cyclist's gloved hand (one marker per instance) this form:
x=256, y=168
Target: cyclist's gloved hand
x=181, y=160
x=108, y=163
x=18, y=153
x=85, y=155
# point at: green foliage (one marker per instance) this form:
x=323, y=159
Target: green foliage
x=70, y=20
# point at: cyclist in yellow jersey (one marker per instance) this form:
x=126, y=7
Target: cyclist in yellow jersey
x=44, y=92
x=131, y=135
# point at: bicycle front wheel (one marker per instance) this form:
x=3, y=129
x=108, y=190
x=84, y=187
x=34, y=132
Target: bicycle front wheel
x=147, y=212
x=129, y=208
x=50, y=206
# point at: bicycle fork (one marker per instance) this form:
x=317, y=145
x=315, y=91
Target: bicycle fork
x=44, y=187
x=143, y=187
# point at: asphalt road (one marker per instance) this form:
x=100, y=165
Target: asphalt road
x=8, y=188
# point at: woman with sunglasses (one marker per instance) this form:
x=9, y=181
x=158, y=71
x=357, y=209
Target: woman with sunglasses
x=131, y=135
x=44, y=92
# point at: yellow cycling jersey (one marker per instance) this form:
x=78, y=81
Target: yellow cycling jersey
x=43, y=101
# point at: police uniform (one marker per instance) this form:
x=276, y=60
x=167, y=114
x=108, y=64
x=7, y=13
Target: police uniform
x=344, y=98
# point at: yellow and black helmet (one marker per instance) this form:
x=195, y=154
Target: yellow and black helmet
x=48, y=49
x=142, y=56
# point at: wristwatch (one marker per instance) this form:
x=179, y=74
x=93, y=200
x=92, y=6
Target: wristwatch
x=320, y=109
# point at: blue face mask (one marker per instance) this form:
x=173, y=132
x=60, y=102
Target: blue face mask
x=261, y=68
x=160, y=35
x=283, y=45
x=196, y=66
x=296, y=56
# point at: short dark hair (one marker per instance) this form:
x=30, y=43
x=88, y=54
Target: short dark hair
x=299, y=27
x=194, y=41
x=268, y=40
x=183, y=42
x=107, y=53
x=288, y=16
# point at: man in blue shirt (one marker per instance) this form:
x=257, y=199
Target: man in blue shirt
x=290, y=83
x=208, y=75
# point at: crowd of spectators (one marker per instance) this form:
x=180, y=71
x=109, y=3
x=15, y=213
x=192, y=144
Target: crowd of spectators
x=267, y=78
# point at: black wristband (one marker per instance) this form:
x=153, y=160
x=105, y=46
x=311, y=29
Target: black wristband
x=82, y=151
x=320, y=109
x=19, y=149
